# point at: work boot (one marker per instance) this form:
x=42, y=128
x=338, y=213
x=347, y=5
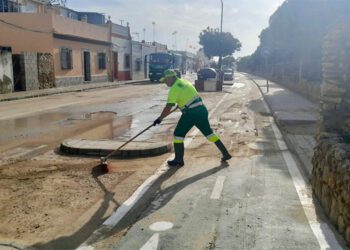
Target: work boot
x=178, y=161
x=225, y=154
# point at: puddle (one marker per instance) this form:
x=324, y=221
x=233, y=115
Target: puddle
x=55, y=127
x=94, y=116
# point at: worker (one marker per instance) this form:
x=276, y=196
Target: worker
x=194, y=113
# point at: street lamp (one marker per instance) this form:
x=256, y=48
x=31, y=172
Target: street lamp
x=174, y=34
x=154, y=33
x=222, y=10
x=144, y=34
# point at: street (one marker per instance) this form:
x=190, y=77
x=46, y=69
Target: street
x=52, y=201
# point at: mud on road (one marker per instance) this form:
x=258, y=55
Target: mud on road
x=52, y=201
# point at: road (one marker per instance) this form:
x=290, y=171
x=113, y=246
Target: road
x=253, y=202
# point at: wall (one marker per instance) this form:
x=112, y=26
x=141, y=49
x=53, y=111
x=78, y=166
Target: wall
x=6, y=74
x=35, y=36
x=121, y=43
x=331, y=181
x=30, y=66
x=123, y=47
x=67, y=26
x=331, y=161
x=46, y=75
x=78, y=49
x=80, y=37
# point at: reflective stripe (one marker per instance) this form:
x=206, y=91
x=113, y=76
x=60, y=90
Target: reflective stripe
x=195, y=105
x=213, y=138
x=191, y=101
x=178, y=141
x=179, y=138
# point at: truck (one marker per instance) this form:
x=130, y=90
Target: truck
x=159, y=62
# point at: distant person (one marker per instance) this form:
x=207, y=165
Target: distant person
x=194, y=113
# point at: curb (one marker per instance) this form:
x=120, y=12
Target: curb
x=130, y=151
x=280, y=126
x=68, y=89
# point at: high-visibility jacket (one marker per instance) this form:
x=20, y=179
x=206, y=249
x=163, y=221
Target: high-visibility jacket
x=184, y=94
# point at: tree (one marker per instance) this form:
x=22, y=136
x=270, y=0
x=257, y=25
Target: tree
x=228, y=61
x=60, y=2
x=216, y=43
x=294, y=40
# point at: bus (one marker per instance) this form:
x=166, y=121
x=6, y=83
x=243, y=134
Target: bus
x=159, y=62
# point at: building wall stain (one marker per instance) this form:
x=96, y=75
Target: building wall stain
x=6, y=71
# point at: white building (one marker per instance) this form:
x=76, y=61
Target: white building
x=139, y=52
x=121, y=51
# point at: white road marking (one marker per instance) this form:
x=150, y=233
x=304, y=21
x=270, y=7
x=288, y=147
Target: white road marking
x=136, y=196
x=161, y=226
x=86, y=248
x=323, y=233
x=219, y=185
x=152, y=243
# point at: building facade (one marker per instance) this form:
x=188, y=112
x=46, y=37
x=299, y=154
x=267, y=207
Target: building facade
x=77, y=51
x=54, y=46
x=121, y=66
x=6, y=74
x=139, y=52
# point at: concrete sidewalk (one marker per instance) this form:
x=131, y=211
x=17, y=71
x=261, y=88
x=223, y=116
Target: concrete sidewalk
x=296, y=117
x=75, y=88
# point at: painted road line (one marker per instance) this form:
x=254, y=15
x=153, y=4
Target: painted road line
x=124, y=208
x=152, y=243
x=219, y=185
x=323, y=233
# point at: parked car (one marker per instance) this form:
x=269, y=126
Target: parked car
x=228, y=74
x=206, y=73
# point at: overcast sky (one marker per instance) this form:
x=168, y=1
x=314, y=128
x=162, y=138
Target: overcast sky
x=243, y=18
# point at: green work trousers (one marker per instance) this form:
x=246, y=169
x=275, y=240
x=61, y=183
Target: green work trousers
x=198, y=117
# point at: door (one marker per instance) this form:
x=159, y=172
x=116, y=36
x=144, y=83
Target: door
x=115, y=65
x=87, y=67
x=18, y=72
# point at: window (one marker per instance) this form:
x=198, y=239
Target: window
x=127, y=61
x=9, y=6
x=101, y=60
x=66, y=58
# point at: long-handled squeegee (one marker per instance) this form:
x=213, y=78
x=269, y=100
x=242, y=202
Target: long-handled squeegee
x=103, y=160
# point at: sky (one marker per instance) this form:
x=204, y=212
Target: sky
x=178, y=23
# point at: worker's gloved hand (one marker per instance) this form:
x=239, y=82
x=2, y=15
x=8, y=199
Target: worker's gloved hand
x=157, y=121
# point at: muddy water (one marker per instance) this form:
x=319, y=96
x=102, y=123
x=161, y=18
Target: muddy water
x=86, y=122
x=53, y=128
